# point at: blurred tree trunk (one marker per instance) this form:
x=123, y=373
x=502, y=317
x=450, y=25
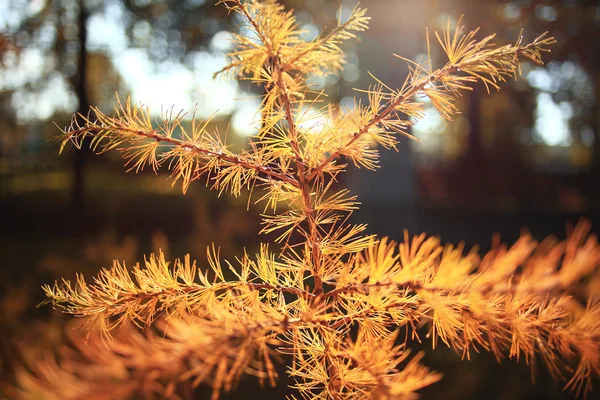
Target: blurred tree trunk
x=79, y=160
x=472, y=167
x=473, y=11
x=595, y=167
x=474, y=149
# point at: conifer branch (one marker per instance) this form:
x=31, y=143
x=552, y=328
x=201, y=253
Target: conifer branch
x=116, y=298
x=179, y=351
x=329, y=367
x=357, y=22
x=197, y=153
x=516, y=301
x=477, y=60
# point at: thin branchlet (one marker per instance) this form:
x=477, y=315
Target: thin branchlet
x=188, y=154
x=332, y=298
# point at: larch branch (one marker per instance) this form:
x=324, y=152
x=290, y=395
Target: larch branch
x=411, y=91
x=194, y=148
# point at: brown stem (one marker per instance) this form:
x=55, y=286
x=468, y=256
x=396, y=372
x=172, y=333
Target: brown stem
x=232, y=159
x=143, y=297
x=558, y=287
x=313, y=237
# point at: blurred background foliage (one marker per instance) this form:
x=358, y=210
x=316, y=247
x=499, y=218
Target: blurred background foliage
x=528, y=155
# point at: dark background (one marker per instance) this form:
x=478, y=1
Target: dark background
x=527, y=156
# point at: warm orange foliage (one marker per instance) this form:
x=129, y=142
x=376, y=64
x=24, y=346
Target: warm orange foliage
x=335, y=300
